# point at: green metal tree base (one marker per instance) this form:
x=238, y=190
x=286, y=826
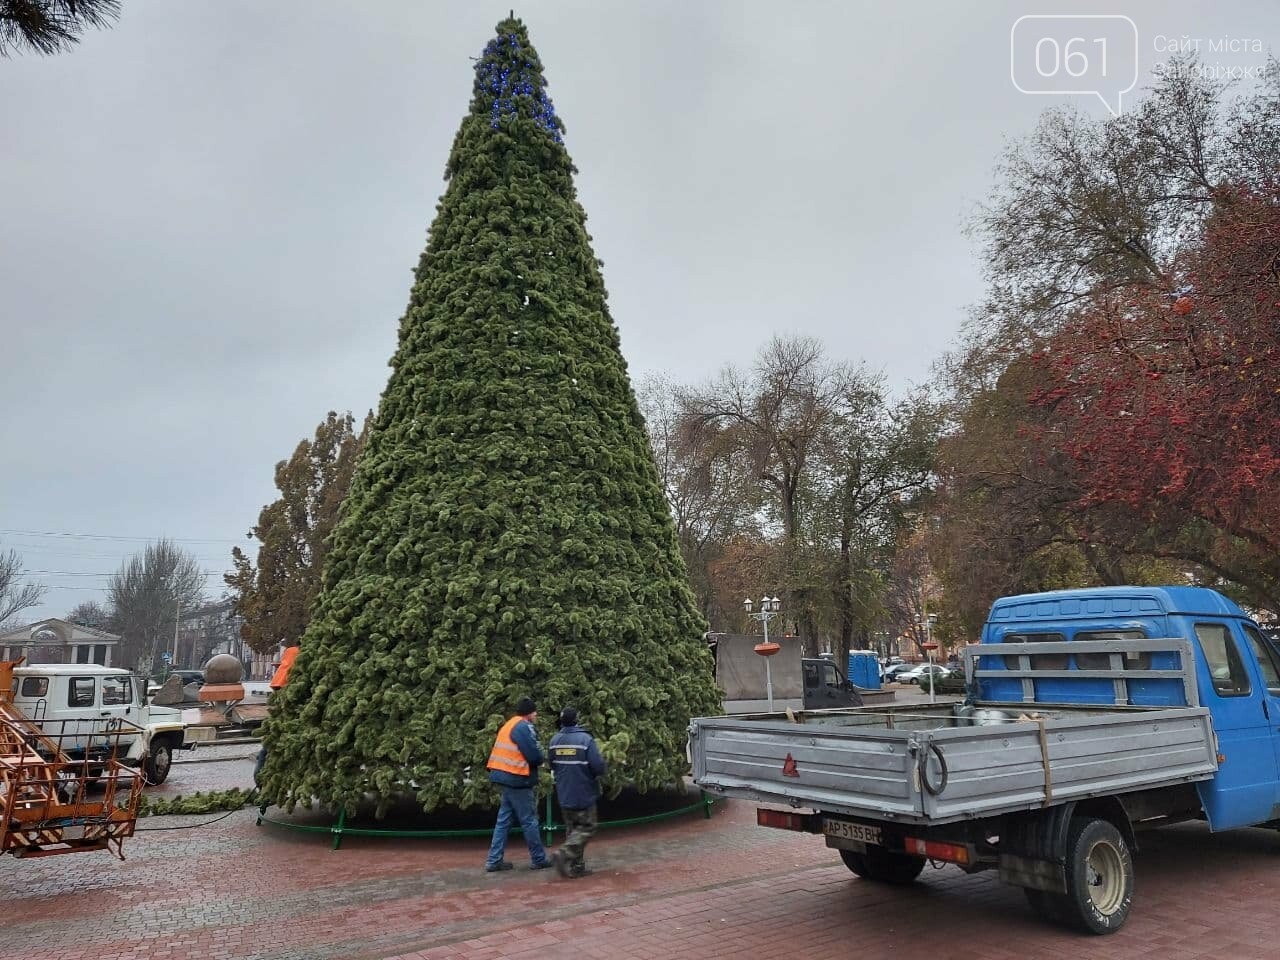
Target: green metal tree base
x=340, y=829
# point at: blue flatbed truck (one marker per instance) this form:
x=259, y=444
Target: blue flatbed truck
x=1089, y=716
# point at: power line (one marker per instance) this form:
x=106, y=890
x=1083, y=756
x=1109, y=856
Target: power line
x=66, y=586
x=62, y=587
x=79, y=573
x=36, y=548
x=103, y=536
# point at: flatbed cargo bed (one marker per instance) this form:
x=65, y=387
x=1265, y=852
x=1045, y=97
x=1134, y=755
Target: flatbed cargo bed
x=936, y=764
x=884, y=763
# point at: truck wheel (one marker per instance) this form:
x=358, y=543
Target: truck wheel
x=159, y=760
x=1099, y=877
x=881, y=865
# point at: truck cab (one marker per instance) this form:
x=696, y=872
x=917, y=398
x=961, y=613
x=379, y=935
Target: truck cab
x=825, y=688
x=1236, y=666
x=63, y=699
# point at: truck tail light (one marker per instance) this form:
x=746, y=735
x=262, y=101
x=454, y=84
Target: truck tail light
x=949, y=852
x=781, y=820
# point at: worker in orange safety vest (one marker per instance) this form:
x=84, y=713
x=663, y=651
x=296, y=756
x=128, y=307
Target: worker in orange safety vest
x=281, y=676
x=513, y=766
x=278, y=680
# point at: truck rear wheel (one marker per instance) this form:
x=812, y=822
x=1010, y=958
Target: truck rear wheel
x=882, y=865
x=1099, y=877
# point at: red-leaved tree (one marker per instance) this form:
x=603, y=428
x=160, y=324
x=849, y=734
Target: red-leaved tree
x=1171, y=400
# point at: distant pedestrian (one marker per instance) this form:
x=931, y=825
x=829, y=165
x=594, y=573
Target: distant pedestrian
x=278, y=680
x=513, y=766
x=577, y=766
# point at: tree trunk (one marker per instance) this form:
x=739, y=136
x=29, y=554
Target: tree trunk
x=844, y=591
x=809, y=634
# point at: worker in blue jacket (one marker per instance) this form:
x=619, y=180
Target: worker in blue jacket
x=577, y=766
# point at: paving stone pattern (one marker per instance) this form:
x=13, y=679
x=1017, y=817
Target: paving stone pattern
x=687, y=887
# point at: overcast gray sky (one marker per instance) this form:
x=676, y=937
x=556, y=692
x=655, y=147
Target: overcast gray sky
x=209, y=214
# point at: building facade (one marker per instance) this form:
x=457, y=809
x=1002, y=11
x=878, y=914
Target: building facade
x=204, y=631
x=59, y=641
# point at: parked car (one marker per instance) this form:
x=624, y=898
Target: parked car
x=893, y=673
x=921, y=673
x=955, y=682
x=188, y=676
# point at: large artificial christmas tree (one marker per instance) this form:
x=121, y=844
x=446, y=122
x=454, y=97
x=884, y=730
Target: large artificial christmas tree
x=505, y=533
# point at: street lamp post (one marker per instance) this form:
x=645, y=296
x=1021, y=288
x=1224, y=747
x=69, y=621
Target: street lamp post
x=769, y=608
x=929, y=646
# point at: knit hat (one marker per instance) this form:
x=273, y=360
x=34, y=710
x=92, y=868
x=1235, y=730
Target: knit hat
x=525, y=707
x=569, y=717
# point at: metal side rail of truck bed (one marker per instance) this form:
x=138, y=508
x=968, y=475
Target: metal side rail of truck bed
x=941, y=763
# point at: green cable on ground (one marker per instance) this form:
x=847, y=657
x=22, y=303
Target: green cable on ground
x=340, y=829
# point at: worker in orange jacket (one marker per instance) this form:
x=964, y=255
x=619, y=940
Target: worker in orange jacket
x=513, y=765
x=281, y=676
x=278, y=680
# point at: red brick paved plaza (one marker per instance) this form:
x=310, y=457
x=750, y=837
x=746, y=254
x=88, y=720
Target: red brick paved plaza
x=687, y=887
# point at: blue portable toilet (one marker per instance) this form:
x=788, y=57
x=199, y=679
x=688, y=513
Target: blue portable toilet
x=864, y=669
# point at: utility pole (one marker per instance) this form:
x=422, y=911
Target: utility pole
x=177, y=612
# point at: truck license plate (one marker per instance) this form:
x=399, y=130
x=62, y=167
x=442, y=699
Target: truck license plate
x=73, y=832
x=851, y=831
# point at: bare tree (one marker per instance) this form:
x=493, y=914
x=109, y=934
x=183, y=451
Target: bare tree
x=1082, y=208
x=914, y=592
x=778, y=415
x=879, y=455
x=16, y=596
x=91, y=614
x=825, y=462
x=146, y=596
x=50, y=26
x=205, y=629
x=707, y=482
